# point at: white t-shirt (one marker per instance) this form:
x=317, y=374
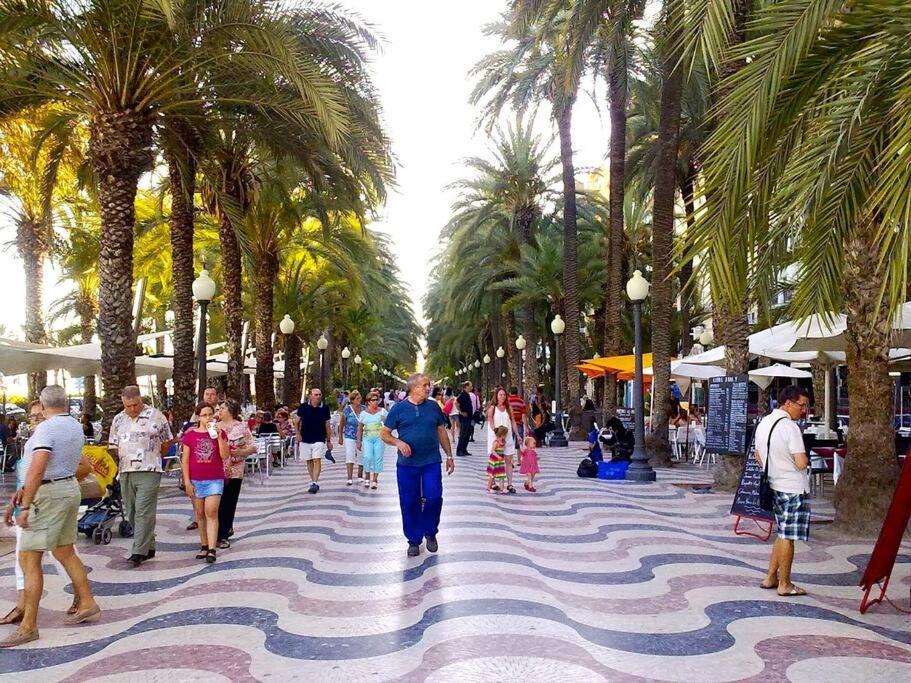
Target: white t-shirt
x=786, y=443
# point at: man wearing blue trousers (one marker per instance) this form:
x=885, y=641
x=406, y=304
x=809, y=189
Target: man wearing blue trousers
x=421, y=431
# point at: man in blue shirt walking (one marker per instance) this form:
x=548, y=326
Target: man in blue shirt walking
x=421, y=431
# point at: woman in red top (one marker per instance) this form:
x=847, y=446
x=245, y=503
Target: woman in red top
x=205, y=450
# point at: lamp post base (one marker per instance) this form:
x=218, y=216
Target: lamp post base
x=639, y=469
x=558, y=438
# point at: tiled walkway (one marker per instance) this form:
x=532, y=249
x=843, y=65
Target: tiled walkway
x=584, y=581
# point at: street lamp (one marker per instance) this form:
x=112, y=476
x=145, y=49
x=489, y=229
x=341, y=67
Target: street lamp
x=287, y=329
x=558, y=438
x=322, y=344
x=204, y=292
x=501, y=352
x=346, y=354
x=639, y=468
x=520, y=346
x=486, y=374
x=357, y=368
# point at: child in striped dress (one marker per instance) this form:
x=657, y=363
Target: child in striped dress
x=496, y=461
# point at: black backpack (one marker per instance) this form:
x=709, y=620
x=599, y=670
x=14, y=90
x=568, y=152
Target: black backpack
x=587, y=469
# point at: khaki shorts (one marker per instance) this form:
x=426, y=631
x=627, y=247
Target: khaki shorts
x=312, y=451
x=53, y=516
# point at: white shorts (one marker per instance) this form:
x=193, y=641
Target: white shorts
x=312, y=451
x=352, y=454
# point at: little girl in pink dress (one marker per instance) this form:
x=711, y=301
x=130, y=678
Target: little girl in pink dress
x=529, y=463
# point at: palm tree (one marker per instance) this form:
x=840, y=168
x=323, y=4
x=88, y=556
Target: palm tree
x=812, y=148
x=538, y=67
x=117, y=64
x=30, y=175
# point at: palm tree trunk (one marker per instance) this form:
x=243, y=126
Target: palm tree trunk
x=292, y=368
x=570, y=261
x=266, y=273
x=85, y=309
x=663, y=234
x=182, y=174
x=32, y=244
x=613, y=331
x=687, y=312
x=732, y=329
x=120, y=151
x=232, y=275
x=865, y=490
x=513, y=357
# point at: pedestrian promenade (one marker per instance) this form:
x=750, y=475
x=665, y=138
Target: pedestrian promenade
x=585, y=580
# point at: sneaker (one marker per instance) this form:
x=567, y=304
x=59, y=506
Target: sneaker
x=414, y=549
x=349, y=483
x=366, y=483
x=432, y=545
x=373, y=486
x=314, y=487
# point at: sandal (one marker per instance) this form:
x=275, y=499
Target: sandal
x=14, y=616
x=768, y=588
x=794, y=592
x=210, y=556
x=74, y=607
x=224, y=544
x=496, y=488
x=511, y=489
x=201, y=555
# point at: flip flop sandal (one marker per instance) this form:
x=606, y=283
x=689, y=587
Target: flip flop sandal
x=794, y=592
x=14, y=616
x=74, y=607
x=768, y=588
x=201, y=555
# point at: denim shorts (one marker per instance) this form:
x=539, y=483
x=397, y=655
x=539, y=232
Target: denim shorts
x=208, y=487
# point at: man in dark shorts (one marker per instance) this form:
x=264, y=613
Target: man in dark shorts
x=421, y=431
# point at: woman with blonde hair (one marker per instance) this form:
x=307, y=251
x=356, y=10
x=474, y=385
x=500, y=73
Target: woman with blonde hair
x=500, y=415
x=347, y=435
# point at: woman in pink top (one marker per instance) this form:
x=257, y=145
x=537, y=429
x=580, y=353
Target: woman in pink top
x=205, y=451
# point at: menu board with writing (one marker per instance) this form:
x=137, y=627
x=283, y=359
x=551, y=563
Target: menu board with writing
x=726, y=415
x=746, y=499
x=627, y=417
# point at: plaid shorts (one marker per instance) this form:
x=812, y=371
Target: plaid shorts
x=792, y=512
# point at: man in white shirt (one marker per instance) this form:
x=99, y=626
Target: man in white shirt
x=779, y=438
x=140, y=435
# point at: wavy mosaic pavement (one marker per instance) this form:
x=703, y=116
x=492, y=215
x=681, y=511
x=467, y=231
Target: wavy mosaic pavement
x=583, y=581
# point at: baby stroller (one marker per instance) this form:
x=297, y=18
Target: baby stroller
x=617, y=439
x=98, y=521
x=103, y=511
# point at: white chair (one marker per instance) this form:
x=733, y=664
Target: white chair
x=259, y=461
x=672, y=434
x=273, y=447
x=700, y=456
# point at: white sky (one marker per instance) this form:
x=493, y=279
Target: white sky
x=422, y=76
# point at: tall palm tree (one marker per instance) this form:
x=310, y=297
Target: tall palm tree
x=537, y=67
x=29, y=176
x=813, y=149
x=117, y=64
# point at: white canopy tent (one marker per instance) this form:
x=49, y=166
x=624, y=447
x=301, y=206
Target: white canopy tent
x=764, y=376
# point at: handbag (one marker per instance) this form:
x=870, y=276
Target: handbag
x=766, y=494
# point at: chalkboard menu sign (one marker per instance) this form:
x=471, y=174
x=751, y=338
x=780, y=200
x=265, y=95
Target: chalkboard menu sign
x=746, y=499
x=627, y=416
x=726, y=415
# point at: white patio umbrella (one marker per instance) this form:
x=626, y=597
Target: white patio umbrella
x=764, y=376
x=827, y=332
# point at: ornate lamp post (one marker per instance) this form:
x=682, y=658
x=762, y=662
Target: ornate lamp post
x=357, y=369
x=204, y=292
x=477, y=367
x=558, y=438
x=322, y=344
x=374, y=367
x=346, y=354
x=520, y=346
x=486, y=373
x=287, y=329
x=501, y=352
x=639, y=468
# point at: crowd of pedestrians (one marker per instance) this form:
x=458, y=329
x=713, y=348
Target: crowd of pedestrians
x=421, y=422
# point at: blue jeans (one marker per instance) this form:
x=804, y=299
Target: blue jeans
x=420, y=518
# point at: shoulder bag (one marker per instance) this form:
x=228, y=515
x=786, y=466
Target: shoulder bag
x=766, y=494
